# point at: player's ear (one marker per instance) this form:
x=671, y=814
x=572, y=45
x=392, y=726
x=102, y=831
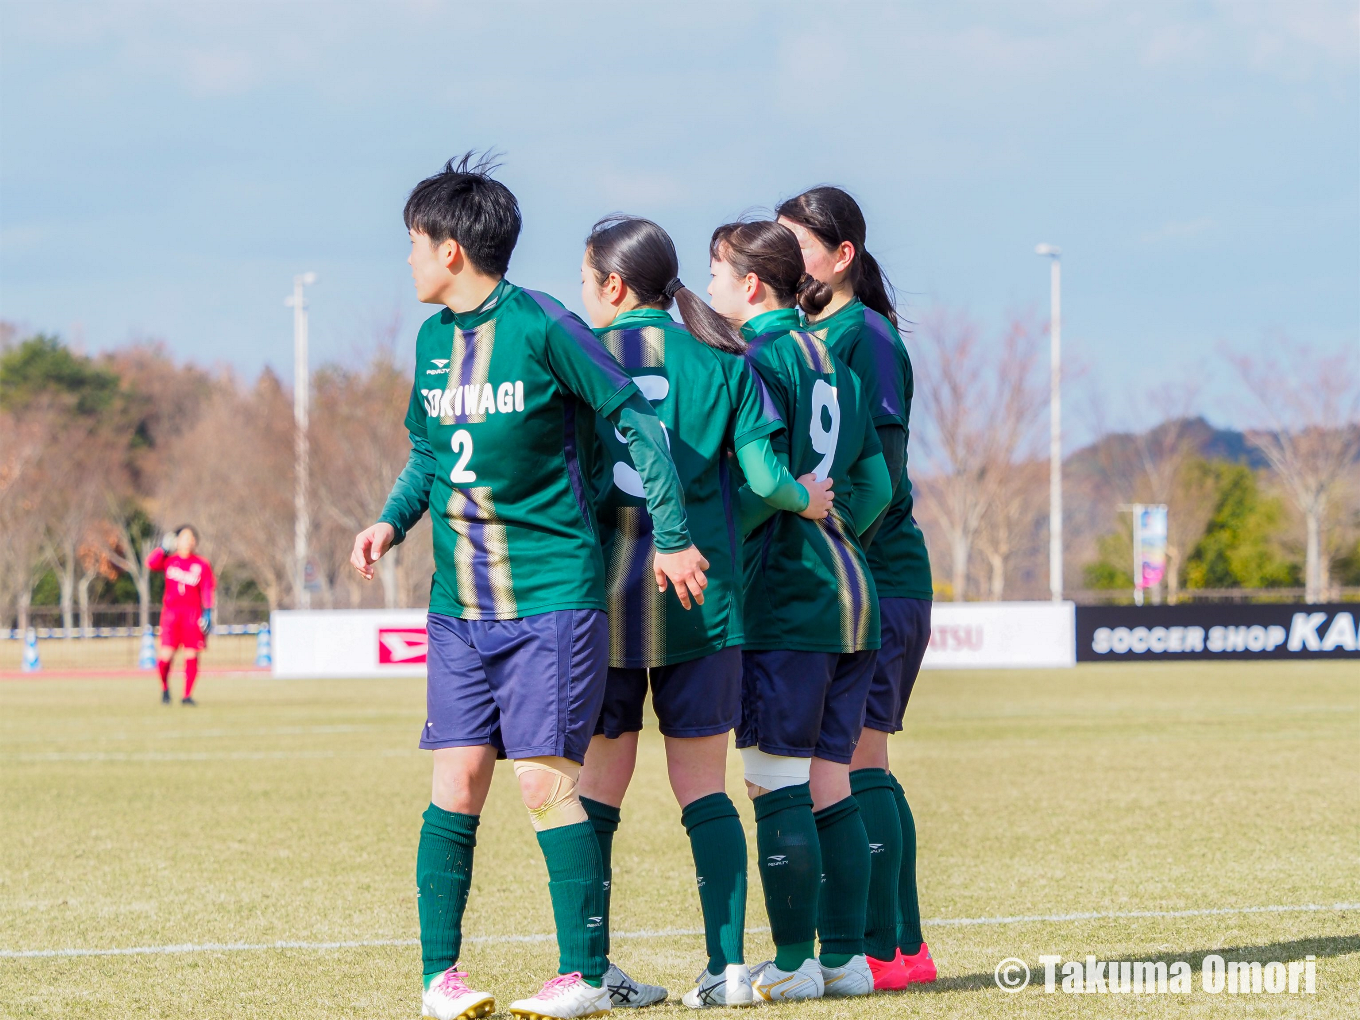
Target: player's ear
x=449, y=253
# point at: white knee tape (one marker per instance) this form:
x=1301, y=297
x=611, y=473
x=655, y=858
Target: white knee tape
x=563, y=805
x=774, y=771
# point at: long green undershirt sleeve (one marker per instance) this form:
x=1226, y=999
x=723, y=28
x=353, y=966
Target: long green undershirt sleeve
x=870, y=492
x=769, y=486
x=894, y=441
x=410, y=496
x=647, y=446
x=769, y=478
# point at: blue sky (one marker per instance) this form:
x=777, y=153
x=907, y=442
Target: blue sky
x=165, y=169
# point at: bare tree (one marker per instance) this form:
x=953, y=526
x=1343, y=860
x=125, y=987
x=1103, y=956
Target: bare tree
x=231, y=474
x=360, y=446
x=23, y=469
x=1009, y=523
x=1312, y=402
x=86, y=458
x=981, y=402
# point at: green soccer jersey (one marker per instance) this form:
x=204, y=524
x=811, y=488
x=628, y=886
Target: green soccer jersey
x=870, y=345
x=808, y=587
x=502, y=422
x=709, y=403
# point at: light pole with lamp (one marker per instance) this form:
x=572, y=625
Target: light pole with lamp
x=302, y=516
x=1055, y=546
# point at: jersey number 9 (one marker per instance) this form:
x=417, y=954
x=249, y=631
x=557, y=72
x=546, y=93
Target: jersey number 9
x=824, y=437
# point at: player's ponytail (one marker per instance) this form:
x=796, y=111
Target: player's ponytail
x=833, y=217
x=642, y=255
x=770, y=250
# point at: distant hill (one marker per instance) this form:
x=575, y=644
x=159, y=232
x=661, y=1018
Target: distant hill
x=1122, y=447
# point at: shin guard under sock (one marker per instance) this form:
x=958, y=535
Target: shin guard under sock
x=190, y=675
x=719, y=846
x=873, y=790
x=576, y=884
x=443, y=877
x=790, y=870
x=604, y=819
x=163, y=666
x=909, y=936
x=844, y=897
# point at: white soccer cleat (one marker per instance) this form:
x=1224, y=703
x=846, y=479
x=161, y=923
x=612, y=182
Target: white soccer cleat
x=449, y=998
x=565, y=997
x=855, y=978
x=625, y=993
x=775, y=985
x=730, y=988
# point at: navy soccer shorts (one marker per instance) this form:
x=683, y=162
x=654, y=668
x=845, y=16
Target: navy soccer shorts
x=804, y=704
x=529, y=687
x=698, y=698
x=905, y=625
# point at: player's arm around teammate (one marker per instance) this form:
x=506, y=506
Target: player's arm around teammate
x=709, y=402
x=811, y=626
x=507, y=388
x=859, y=324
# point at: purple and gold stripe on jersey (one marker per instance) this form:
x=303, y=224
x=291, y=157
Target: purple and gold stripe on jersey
x=469, y=362
x=814, y=352
x=579, y=332
x=852, y=583
x=637, y=611
x=640, y=347
x=481, y=556
x=883, y=343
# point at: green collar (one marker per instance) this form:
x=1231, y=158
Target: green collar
x=484, y=311
x=775, y=321
x=854, y=307
x=639, y=317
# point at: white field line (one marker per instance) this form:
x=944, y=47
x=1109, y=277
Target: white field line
x=236, y=947
x=144, y=756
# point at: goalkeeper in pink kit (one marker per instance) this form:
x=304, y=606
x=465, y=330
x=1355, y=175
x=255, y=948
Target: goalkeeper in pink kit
x=186, y=614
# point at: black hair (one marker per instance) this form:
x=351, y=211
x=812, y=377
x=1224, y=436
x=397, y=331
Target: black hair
x=464, y=203
x=770, y=250
x=189, y=528
x=834, y=217
x=643, y=256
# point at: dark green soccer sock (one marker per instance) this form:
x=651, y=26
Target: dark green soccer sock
x=790, y=871
x=443, y=876
x=604, y=819
x=909, y=936
x=719, y=845
x=873, y=790
x=845, y=882
x=572, y=854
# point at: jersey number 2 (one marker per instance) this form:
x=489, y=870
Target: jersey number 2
x=462, y=443
x=824, y=437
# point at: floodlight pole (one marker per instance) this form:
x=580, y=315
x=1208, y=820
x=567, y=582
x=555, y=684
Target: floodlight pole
x=1055, y=537
x=302, y=517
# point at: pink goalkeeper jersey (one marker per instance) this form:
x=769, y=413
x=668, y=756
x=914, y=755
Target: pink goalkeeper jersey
x=188, y=581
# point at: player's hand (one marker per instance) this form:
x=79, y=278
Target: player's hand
x=205, y=621
x=685, y=569
x=168, y=541
x=369, y=546
x=820, y=497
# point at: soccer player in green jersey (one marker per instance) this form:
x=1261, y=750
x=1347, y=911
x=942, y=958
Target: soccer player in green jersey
x=710, y=402
x=811, y=621
x=502, y=415
x=859, y=325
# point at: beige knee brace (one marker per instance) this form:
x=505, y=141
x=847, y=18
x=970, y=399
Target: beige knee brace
x=562, y=806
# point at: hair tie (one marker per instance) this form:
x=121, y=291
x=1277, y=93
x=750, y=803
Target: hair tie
x=672, y=288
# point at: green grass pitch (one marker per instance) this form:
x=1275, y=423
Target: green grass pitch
x=288, y=811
